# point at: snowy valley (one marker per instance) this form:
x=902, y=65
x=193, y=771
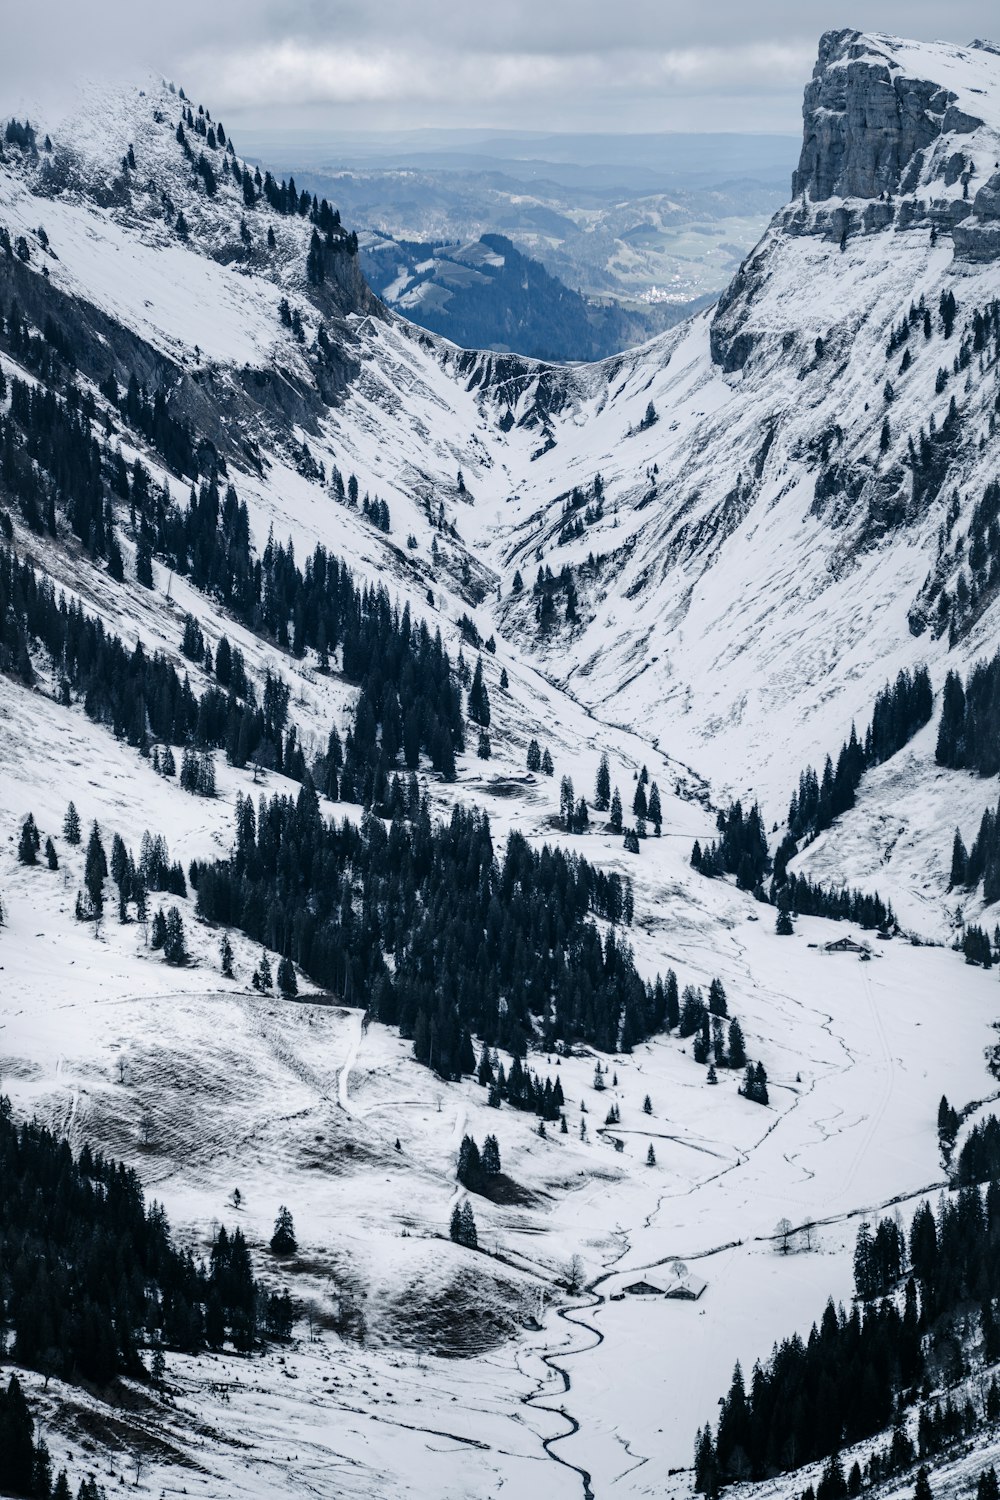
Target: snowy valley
x=696, y=565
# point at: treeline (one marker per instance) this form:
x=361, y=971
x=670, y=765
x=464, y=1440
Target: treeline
x=847, y=1380
x=969, y=728
x=740, y=850
x=409, y=699
x=142, y=699
x=410, y=703
x=47, y=353
x=48, y=452
x=983, y=562
x=520, y=1088
x=901, y=709
x=979, y=1158
x=981, y=862
x=25, y=1464
x=969, y=739
x=91, y=1273
x=171, y=438
x=283, y=197
x=479, y=945
x=138, y=697
x=974, y=557
x=799, y=895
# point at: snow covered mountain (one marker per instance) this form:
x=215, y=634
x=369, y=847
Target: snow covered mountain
x=706, y=557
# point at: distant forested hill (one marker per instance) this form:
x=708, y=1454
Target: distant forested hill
x=484, y=294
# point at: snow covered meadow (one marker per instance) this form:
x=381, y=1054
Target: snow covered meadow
x=209, y=1087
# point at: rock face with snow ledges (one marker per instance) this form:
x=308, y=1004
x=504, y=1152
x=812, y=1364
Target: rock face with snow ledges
x=864, y=121
x=911, y=132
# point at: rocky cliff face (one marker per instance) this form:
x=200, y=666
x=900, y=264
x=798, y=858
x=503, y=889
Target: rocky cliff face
x=896, y=135
x=864, y=121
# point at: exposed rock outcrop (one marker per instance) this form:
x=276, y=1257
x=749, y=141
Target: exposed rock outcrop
x=886, y=146
x=864, y=121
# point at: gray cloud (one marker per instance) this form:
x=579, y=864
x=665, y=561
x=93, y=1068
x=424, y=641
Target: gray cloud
x=559, y=64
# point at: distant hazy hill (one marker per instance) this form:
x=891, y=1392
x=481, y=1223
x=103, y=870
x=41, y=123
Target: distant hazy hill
x=610, y=216
x=484, y=294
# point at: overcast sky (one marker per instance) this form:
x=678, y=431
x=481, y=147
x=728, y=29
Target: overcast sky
x=597, y=65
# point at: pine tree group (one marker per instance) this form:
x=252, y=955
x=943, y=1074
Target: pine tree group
x=463, y=1226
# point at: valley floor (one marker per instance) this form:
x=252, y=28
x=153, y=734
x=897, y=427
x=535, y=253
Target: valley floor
x=209, y=1087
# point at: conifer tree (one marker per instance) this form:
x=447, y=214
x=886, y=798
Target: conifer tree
x=226, y=956
x=144, y=564
x=547, y=767
x=650, y=1156
x=705, y=1473
x=672, y=1010
x=51, y=857
x=479, y=702
x=469, y=1236
x=95, y=870
x=566, y=802
x=717, y=1004
x=616, y=812
x=534, y=756
x=654, y=811
x=158, y=935
x=988, y=1488
x=71, y=825
x=602, y=791
x=959, y=862
x=470, y=1164
x=17, y=1449
x=29, y=842
x=174, y=947
x=283, y=1240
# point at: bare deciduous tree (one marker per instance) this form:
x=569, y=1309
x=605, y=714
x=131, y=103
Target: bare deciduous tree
x=574, y=1275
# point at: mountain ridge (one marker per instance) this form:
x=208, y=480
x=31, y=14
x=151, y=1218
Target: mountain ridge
x=524, y=434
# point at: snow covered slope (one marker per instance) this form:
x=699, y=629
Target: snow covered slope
x=757, y=544
x=757, y=539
